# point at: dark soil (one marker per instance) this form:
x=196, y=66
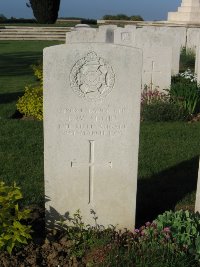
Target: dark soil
x=49, y=249
x=41, y=251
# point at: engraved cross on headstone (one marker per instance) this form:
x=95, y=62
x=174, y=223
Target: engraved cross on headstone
x=152, y=71
x=91, y=166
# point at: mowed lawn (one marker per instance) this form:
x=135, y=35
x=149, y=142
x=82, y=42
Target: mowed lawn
x=168, y=156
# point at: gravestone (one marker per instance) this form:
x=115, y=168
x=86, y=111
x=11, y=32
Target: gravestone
x=91, y=131
x=103, y=34
x=197, y=64
x=125, y=36
x=157, y=64
x=157, y=60
x=197, y=204
x=163, y=36
x=193, y=38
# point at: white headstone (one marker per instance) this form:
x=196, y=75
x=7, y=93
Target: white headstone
x=125, y=36
x=192, y=38
x=157, y=65
x=157, y=59
x=91, y=130
x=103, y=34
x=197, y=64
x=197, y=204
x=163, y=36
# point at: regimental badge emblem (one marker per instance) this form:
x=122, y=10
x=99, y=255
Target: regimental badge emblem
x=92, y=77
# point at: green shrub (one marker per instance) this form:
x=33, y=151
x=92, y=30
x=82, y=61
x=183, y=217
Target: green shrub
x=162, y=111
x=38, y=71
x=186, y=95
x=12, y=232
x=85, y=237
x=184, y=227
x=187, y=59
x=148, y=246
x=31, y=103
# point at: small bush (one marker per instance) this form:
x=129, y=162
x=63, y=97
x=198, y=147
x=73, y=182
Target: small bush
x=187, y=59
x=163, y=111
x=12, y=232
x=184, y=227
x=186, y=95
x=31, y=103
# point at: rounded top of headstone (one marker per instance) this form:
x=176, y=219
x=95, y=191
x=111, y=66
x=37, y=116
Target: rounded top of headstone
x=81, y=26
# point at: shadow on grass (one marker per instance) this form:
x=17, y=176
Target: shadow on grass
x=10, y=97
x=14, y=64
x=162, y=191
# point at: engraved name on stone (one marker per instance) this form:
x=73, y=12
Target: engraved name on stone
x=92, y=77
x=95, y=122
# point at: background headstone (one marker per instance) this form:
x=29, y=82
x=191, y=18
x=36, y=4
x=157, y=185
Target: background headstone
x=157, y=59
x=91, y=131
x=163, y=36
x=197, y=204
x=103, y=34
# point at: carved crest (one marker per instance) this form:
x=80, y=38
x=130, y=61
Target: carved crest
x=92, y=77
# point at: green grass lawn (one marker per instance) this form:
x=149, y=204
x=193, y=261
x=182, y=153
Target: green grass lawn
x=168, y=157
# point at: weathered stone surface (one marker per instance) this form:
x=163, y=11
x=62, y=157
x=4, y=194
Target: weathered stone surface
x=157, y=59
x=91, y=131
x=163, y=36
x=104, y=34
x=157, y=65
x=197, y=204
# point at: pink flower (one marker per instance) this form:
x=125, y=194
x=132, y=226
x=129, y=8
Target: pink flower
x=166, y=230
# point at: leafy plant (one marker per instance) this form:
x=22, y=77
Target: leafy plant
x=147, y=246
x=150, y=96
x=184, y=227
x=186, y=95
x=12, y=232
x=187, y=59
x=163, y=111
x=84, y=237
x=31, y=103
x=38, y=71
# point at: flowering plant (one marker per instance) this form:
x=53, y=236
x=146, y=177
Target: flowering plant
x=150, y=95
x=189, y=75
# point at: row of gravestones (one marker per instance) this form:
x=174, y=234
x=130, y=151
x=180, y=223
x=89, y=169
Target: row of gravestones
x=161, y=48
x=92, y=90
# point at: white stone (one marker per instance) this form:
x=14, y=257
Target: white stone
x=81, y=26
x=157, y=60
x=163, y=36
x=125, y=35
x=189, y=12
x=192, y=38
x=197, y=204
x=157, y=65
x=103, y=34
x=197, y=64
x=91, y=131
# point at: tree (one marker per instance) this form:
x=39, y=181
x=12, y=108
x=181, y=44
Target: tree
x=45, y=11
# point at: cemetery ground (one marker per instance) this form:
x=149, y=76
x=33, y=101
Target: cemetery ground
x=167, y=175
